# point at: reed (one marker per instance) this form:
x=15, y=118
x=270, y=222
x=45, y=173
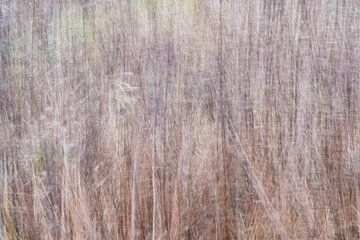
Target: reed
x=149, y=119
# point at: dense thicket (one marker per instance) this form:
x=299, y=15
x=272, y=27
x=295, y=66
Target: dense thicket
x=154, y=119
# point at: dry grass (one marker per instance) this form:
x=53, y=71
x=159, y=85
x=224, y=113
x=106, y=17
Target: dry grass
x=169, y=119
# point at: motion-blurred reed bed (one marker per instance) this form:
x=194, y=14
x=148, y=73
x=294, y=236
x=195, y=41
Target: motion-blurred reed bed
x=179, y=119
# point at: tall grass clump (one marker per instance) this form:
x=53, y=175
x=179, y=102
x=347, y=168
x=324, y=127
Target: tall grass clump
x=179, y=119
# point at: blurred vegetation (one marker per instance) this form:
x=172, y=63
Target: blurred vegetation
x=169, y=119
